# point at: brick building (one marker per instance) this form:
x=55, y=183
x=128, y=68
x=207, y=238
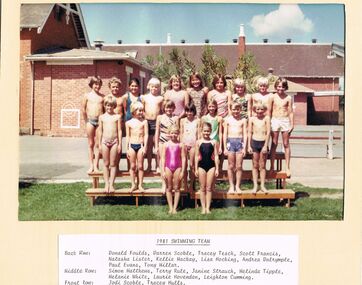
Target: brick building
x=55, y=66
x=317, y=69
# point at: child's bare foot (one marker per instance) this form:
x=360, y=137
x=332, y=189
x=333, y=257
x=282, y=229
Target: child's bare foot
x=237, y=189
x=203, y=211
x=288, y=172
x=106, y=187
x=96, y=169
x=111, y=189
x=231, y=189
x=158, y=171
x=263, y=189
x=255, y=189
x=208, y=211
x=90, y=170
x=170, y=211
x=140, y=187
x=174, y=211
x=133, y=187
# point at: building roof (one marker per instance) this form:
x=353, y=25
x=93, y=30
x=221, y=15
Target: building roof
x=36, y=15
x=58, y=54
x=286, y=59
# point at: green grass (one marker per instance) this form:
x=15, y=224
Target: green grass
x=41, y=202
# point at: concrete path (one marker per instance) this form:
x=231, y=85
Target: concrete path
x=65, y=160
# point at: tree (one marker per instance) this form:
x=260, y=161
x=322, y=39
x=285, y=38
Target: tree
x=211, y=65
x=249, y=71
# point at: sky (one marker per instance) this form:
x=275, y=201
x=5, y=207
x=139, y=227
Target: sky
x=133, y=23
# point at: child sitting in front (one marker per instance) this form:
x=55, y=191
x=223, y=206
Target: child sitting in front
x=235, y=139
x=110, y=141
x=207, y=166
x=189, y=127
x=258, y=138
x=173, y=164
x=136, y=142
x=282, y=120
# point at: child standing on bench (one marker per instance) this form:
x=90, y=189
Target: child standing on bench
x=114, y=86
x=263, y=95
x=207, y=166
x=173, y=164
x=235, y=139
x=153, y=106
x=92, y=108
x=176, y=94
x=282, y=120
x=110, y=141
x=163, y=124
x=136, y=142
x=258, y=138
x=189, y=134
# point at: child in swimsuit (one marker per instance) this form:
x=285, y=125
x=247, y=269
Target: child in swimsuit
x=153, y=106
x=163, y=124
x=197, y=94
x=177, y=95
x=207, y=161
x=189, y=127
x=92, y=108
x=173, y=161
x=235, y=139
x=136, y=142
x=282, y=120
x=239, y=96
x=220, y=95
x=110, y=144
x=258, y=138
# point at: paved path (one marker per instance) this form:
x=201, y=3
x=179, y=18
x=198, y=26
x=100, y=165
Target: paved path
x=65, y=159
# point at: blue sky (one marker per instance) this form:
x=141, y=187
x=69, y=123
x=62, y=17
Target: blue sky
x=135, y=22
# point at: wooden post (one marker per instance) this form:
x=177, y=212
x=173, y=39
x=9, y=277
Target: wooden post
x=330, y=145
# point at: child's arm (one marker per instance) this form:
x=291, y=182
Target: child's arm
x=216, y=159
x=145, y=136
x=205, y=99
x=183, y=160
x=229, y=102
x=157, y=132
x=267, y=125
x=197, y=158
x=225, y=135
x=119, y=131
x=250, y=128
x=291, y=114
x=250, y=105
x=187, y=100
x=221, y=120
x=182, y=130
x=84, y=108
x=128, y=133
x=270, y=105
x=200, y=127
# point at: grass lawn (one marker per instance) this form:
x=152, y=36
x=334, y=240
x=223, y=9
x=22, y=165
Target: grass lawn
x=41, y=202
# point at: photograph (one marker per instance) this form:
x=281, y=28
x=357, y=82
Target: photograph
x=238, y=116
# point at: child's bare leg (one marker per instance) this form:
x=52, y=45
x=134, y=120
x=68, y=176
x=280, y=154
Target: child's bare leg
x=202, y=180
x=176, y=187
x=255, y=171
x=96, y=151
x=285, y=136
x=185, y=178
x=113, y=167
x=231, y=170
x=273, y=148
x=160, y=149
x=239, y=171
x=149, y=152
x=192, y=168
x=106, y=159
x=169, y=176
x=262, y=162
x=209, y=188
x=132, y=169
x=140, y=170
x=91, y=131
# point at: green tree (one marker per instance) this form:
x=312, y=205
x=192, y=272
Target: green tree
x=249, y=71
x=211, y=65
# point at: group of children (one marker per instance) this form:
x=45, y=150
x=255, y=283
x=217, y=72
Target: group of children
x=193, y=127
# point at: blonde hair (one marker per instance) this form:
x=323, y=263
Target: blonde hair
x=136, y=106
x=153, y=81
x=262, y=81
x=172, y=78
x=173, y=128
x=110, y=100
x=114, y=80
x=259, y=104
x=236, y=105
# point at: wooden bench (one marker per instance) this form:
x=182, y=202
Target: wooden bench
x=279, y=194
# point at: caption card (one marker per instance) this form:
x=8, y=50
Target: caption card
x=178, y=259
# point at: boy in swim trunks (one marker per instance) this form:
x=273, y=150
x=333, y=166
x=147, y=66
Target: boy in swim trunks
x=235, y=139
x=136, y=142
x=282, y=120
x=258, y=138
x=153, y=106
x=173, y=164
x=92, y=108
x=110, y=141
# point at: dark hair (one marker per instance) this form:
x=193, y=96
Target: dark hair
x=94, y=79
x=168, y=104
x=283, y=81
x=218, y=77
x=133, y=80
x=195, y=75
x=190, y=107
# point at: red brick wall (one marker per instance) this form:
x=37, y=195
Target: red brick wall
x=63, y=87
x=300, y=110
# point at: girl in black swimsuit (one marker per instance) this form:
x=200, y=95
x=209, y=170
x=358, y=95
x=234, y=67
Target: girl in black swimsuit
x=207, y=161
